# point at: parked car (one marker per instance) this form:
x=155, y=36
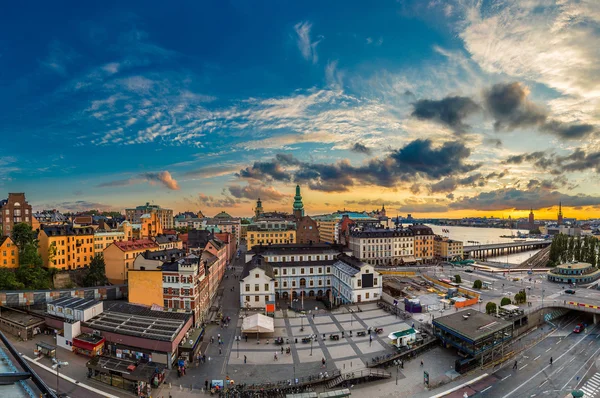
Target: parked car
x=579, y=328
x=570, y=291
x=469, y=270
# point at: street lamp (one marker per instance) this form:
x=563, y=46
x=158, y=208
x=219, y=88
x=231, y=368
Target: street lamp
x=311, y=345
x=57, y=365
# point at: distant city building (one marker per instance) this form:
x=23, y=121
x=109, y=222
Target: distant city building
x=382, y=246
x=66, y=246
x=14, y=210
x=165, y=215
x=307, y=230
x=447, y=249
x=48, y=217
x=258, y=210
x=104, y=238
x=274, y=231
x=575, y=272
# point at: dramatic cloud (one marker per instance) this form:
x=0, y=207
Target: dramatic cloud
x=163, y=177
x=307, y=47
x=449, y=111
x=578, y=160
x=360, y=148
x=518, y=199
x=374, y=202
x=255, y=191
x=568, y=131
x=418, y=159
x=75, y=206
x=495, y=142
x=203, y=200
x=449, y=184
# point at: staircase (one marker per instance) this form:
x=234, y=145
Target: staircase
x=368, y=374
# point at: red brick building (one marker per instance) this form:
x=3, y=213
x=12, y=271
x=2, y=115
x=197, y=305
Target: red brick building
x=14, y=210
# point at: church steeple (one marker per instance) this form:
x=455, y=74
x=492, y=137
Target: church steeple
x=298, y=208
x=258, y=211
x=560, y=214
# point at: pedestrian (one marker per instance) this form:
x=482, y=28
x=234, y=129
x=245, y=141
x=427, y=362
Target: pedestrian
x=281, y=350
x=245, y=359
x=219, y=336
x=515, y=366
x=246, y=336
x=421, y=363
x=322, y=362
x=204, y=358
x=205, y=385
x=550, y=360
x=220, y=352
x=212, y=339
x=275, y=355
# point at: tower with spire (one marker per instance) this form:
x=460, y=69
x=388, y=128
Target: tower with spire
x=382, y=213
x=531, y=219
x=560, y=214
x=298, y=209
x=258, y=210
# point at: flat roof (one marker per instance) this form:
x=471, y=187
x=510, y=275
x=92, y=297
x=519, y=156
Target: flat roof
x=75, y=303
x=475, y=327
x=574, y=265
x=141, y=371
x=21, y=318
x=89, y=338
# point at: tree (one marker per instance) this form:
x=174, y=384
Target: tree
x=490, y=308
x=570, y=249
x=96, y=274
x=8, y=281
x=457, y=278
x=521, y=297
x=477, y=284
x=577, y=250
x=30, y=274
x=22, y=234
x=535, y=232
x=504, y=301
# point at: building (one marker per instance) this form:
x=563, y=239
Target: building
x=15, y=209
x=66, y=246
x=258, y=210
x=229, y=242
x=447, y=249
x=257, y=284
x=276, y=231
x=575, y=272
x=317, y=270
x=190, y=223
x=424, y=247
x=9, y=253
x=104, y=238
x=166, y=242
x=48, y=217
x=154, y=260
x=560, y=214
x=228, y=224
x=383, y=246
x=478, y=337
x=20, y=324
x=120, y=256
x=164, y=215
x=298, y=207
x=307, y=230
x=74, y=308
x=150, y=225
x=328, y=228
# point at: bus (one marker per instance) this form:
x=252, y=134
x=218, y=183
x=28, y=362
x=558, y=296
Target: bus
x=487, y=284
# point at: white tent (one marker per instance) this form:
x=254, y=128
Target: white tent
x=258, y=323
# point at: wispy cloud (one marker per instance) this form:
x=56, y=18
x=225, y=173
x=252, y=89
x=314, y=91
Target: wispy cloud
x=59, y=57
x=163, y=178
x=307, y=47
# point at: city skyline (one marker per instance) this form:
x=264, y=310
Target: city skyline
x=421, y=106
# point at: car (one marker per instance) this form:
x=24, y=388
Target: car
x=570, y=291
x=469, y=270
x=579, y=328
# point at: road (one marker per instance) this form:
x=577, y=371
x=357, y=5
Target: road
x=74, y=391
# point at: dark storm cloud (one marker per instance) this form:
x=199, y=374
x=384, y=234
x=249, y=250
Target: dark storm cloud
x=578, y=160
x=513, y=198
x=508, y=104
x=449, y=184
x=360, y=148
x=418, y=159
x=423, y=208
x=568, y=131
x=449, y=111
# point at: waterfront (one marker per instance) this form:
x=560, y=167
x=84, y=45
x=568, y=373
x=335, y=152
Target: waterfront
x=485, y=236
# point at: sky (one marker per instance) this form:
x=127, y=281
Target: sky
x=434, y=108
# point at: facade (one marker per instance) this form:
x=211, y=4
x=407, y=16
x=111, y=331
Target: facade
x=257, y=284
x=190, y=223
x=575, y=272
x=103, y=239
x=9, y=253
x=164, y=215
x=20, y=324
x=75, y=308
x=166, y=242
x=424, y=247
x=383, y=246
x=14, y=210
x=150, y=225
x=120, y=256
x=447, y=249
x=307, y=230
x=276, y=231
x=215, y=258
x=258, y=210
x=66, y=246
x=318, y=270
x=227, y=224
x=328, y=228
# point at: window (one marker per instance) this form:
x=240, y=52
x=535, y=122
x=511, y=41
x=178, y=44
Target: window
x=359, y=283
x=256, y=298
x=320, y=282
x=284, y=283
x=375, y=281
x=284, y=271
x=311, y=270
x=247, y=298
x=275, y=271
x=165, y=291
x=311, y=283
x=293, y=283
x=293, y=271
x=256, y=288
x=301, y=271
x=256, y=276
x=320, y=270
x=328, y=270
x=366, y=295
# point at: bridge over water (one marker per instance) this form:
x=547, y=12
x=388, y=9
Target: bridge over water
x=500, y=249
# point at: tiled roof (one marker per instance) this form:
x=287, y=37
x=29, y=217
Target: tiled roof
x=67, y=230
x=166, y=239
x=138, y=244
x=165, y=255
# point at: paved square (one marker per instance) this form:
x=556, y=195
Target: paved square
x=328, y=328
x=343, y=317
x=350, y=365
x=341, y=351
x=354, y=326
x=322, y=319
x=260, y=358
x=373, y=314
x=305, y=356
x=366, y=349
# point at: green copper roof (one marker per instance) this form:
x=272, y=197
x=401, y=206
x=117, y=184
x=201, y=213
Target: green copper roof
x=298, y=200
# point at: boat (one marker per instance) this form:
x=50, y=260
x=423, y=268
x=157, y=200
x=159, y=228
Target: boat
x=507, y=236
x=519, y=240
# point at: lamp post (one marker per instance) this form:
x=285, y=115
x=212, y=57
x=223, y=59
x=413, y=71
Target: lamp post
x=311, y=345
x=238, y=346
x=57, y=365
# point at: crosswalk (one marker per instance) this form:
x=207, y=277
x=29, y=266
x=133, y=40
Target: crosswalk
x=592, y=386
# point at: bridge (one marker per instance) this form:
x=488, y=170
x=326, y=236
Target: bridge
x=499, y=249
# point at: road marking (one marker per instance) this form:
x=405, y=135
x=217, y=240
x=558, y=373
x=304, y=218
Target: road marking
x=443, y=394
x=593, y=356
x=590, y=343
x=558, y=342
x=524, y=366
x=506, y=377
x=536, y=357
x=486, y=389
x=548, y=349
x=544, y=369
x=572, y=359
x=545, y=381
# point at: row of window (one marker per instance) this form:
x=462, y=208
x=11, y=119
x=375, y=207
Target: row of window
x=176, y=279
x=17, y=212
x=175, y=291
x=284, y=259
x=310, y=271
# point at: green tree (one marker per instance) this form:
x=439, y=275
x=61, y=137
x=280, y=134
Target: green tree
x=570, y=248
x=96, y=274
x=577, y=250
x=535, y=231
x=30, y=274
x=521, y=297
x=457, y=278
x=477, y=284
x=8, y=280
x=22, y=234
x=490, y=308
x=504, y=301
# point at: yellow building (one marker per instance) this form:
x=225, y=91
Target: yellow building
x=328, y=228
x=119, y=257
x=65, y=246
x=424, y=247
x=447, y=248
x=270, y=232
x=145, y=287
x=103, y=239
x=9, y=253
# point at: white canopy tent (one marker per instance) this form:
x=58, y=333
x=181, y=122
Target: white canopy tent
x=258, y=323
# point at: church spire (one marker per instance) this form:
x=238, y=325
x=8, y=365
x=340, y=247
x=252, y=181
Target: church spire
x=298, y=208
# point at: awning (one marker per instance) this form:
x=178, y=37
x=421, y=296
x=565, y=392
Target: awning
x=258, y=323
x=409, y=259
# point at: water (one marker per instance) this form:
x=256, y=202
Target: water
x=485, y=236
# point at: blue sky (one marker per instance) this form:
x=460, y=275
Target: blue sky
x=430, y=107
